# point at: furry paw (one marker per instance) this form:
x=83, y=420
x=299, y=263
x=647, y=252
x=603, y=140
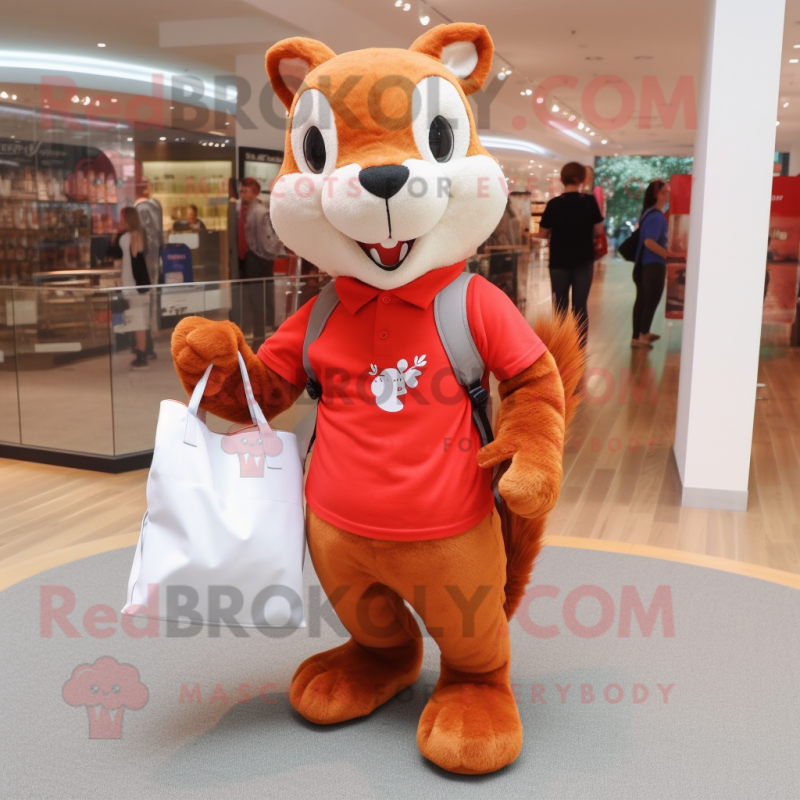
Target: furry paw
x=350, y=681
x=470, y=728
x=198, y=342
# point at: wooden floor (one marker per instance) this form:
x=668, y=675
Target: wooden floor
x=620, y=482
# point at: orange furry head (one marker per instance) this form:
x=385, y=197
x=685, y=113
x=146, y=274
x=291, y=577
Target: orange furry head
x=384, y=177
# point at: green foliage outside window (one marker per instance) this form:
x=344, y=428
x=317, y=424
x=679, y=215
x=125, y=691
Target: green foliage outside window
x=625, y=178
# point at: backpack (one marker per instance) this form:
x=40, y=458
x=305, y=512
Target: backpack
x=629, y=249
x=450, y=315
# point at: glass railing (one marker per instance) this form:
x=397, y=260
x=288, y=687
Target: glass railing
x=67, y=380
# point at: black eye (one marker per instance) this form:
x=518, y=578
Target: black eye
x=440, y=139
x=94, y=689
x=116, y=688
x=314, y=150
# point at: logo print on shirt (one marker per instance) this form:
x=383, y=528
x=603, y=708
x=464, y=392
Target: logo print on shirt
x=391, y=383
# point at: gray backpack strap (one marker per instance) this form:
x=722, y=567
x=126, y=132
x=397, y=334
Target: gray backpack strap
x=450, y=313
x=323, y=307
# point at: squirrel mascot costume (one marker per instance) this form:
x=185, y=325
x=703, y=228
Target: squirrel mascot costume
x=386, y=187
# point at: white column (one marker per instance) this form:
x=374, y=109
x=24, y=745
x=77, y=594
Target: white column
x=726, y=260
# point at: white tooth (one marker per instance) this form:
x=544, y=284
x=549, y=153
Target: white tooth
x=374, y=253
x=389, y=243
x=403, y=250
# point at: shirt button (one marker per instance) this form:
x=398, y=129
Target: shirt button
x=386, y=299
x=383, y=335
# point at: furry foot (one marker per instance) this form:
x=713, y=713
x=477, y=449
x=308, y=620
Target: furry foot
x=351, y=681
x=470, y=728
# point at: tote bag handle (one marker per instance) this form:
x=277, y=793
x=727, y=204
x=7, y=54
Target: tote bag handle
x=270, y=441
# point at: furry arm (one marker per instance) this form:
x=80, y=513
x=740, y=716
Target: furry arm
x=198, y=342
x=530, y=431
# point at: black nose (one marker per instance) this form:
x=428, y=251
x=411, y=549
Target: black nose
x=384, y=182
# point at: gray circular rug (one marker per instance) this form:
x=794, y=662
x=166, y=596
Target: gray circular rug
x=636, y=678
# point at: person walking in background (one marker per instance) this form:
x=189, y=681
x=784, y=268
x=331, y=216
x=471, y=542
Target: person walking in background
x=133, y=247
x=151, y=217
x=258, y=244
x=572, y=222
x=195, y=223
x=650, y=266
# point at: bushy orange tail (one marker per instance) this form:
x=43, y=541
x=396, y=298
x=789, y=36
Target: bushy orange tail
x=523, y=537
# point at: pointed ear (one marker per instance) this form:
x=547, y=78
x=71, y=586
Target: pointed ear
x=289, y=61
x=463, y=48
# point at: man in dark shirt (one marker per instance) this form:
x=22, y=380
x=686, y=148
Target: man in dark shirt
x=572, y=222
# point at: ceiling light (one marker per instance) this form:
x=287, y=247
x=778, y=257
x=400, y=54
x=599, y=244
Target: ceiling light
x=529, y=92
x=14, y=97
x=101, y=44
x=172, y=108
x=97, y=102
x=87, y=100
x=563, y=113
x=581, y=126
x=162, y=138
x=501, y=76
x=130, y=138
x=4, y=95
x=572, y=118
x=507, y=143
x=591, y=133
x=113, y=99
x=424, y=19
x=398, y=3
x=793, y=60
x=555, y=108
x=507, y=70
x=523, y=94
x=797, y=47
x=532, y=160
x=75, y=99
x=778, y=122
x=785, y=105
x=406, y=6
x=604, y=141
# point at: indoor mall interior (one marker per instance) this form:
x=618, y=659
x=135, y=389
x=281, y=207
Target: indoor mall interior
x=567, y=335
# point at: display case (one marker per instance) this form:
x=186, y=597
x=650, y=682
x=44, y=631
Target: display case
x=68, y=392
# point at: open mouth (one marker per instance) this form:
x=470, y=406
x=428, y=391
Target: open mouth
x=390, y=254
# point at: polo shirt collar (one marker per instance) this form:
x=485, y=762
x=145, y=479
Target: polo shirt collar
x=354, y=294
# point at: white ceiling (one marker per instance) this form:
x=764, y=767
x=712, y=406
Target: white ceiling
x=628, y=39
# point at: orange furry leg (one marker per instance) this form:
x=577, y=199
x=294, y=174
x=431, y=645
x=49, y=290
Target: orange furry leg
x=385, y=654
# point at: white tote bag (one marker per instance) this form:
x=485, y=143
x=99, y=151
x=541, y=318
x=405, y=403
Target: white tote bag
x=223, y=539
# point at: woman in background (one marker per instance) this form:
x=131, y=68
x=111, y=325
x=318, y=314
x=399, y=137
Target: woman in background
x=133, y=244
x=650, y=267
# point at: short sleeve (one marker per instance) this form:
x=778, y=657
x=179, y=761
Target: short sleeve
x=547, y=219
x=505, y=340
x=283, y=351
x=596, y=214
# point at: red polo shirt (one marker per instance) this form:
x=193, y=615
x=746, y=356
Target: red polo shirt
x=395, y=454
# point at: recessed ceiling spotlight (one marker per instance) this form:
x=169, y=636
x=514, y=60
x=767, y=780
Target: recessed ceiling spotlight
x=113, y=99
x=581, y=126
x=398, y=3
x=540, y=99
x=424, y=19
x=604, y=141
x=796, y=46
x=572, y=118
x=4, y=95
x=591, y=133
x=162, y=138
x=101, y=44
x=75, y=99
x=97, y=102
x=523, y=94
x=529, y=92
x=785, y=105
x=778, y=122
x=793, y=60
x=501, y=76
x=87, y=100
x=14, y=97
x=172, y=108
x=406, y=6
x=555, y=108
x=130, y=138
